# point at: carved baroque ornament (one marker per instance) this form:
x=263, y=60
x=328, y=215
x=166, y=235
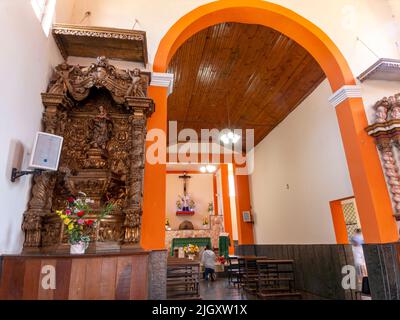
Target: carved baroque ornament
x=386, y=132
x=101, y=112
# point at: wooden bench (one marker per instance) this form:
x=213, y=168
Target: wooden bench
x=276, y=279
x=183, y=279
x=279, y=295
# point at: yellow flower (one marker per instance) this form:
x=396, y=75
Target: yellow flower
x=59, y=212
x=71, y=226
x=67, y=221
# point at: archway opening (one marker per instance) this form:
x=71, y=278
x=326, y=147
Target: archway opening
x=364, y=165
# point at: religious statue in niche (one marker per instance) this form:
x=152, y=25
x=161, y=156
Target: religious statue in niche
x=185, y=203
x=101, y=128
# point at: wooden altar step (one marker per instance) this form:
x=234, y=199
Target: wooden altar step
x=183, y=277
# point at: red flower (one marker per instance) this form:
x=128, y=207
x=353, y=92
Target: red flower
x=80, y=214
x=71, y=200
x=89, y=222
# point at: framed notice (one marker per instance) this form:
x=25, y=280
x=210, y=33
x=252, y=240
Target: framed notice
x=46, y=151
x=247, y=216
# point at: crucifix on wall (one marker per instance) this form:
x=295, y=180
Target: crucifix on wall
x=185, y=198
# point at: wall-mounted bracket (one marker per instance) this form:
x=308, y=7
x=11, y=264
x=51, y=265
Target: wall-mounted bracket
x=15, y=173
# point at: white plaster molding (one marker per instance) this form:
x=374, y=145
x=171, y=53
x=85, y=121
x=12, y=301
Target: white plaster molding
x=344, y=93
x=383, y=69
x=166, y=80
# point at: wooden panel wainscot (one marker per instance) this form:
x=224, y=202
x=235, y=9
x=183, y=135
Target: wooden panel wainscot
x=386, y=132
x=101, y=112
x=122, y=276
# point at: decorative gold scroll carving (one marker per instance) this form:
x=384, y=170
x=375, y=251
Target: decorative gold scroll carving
x=78, y=81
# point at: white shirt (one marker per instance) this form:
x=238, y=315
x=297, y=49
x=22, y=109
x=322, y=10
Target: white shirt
x=208, y=259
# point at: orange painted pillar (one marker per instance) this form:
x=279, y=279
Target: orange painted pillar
x=366, y=174
x=154, y=189
x=338, y=222
x=226, y=204
x=243, y=203
x=215, y=195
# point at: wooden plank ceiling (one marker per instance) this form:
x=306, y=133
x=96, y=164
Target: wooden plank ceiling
x=253, y=73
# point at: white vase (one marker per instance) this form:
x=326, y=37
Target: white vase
x=79, y=248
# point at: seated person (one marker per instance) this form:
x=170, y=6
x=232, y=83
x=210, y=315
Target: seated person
x=208, y=260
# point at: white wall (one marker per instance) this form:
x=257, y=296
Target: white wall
x=25, y=61
x=374, y=90
x=343, y=21
x=200, y=189
x=305, y=152
x=65, y=10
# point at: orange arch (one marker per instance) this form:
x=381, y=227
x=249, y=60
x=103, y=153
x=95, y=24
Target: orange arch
x=366, y=174
x=274, y=16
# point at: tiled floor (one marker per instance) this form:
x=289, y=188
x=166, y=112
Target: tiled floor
x=220, y=290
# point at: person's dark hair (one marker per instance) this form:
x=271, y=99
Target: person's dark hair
x=207, y=247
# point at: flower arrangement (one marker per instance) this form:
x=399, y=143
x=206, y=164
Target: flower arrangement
x=76, y=219
x=178, y=205
x=191, y=249
x=167, y=224
x=221, y=260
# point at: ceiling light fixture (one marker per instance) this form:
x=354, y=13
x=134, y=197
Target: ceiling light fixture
x=229, y=136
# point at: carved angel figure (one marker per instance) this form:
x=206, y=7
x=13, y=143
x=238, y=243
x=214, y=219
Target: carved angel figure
x=395, y=112
x=381, y=108
x=136, y=88
x=63, y=84
x=100, y=129
x=31, y=225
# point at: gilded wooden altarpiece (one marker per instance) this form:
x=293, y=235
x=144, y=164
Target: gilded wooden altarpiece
x=101, y=112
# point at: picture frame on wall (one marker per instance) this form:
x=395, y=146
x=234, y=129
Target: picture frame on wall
x=247, y=216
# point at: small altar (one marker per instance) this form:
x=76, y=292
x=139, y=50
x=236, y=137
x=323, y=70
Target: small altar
x=212, y=233
x=182, y=242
